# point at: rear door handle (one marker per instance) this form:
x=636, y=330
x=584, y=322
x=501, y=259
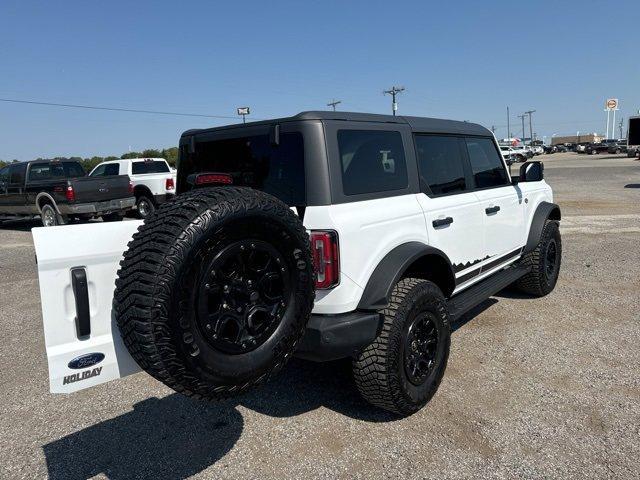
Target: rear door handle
x=490, y=210
x=440, y=222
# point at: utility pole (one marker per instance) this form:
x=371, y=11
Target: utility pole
x=529, y=112
x=620, y=127
x=333, y=103
x=508, y=124
x=521, y=117
x=393, y=92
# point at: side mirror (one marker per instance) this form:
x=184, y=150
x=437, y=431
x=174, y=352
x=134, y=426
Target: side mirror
x=531, y=172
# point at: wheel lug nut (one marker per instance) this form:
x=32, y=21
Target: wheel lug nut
x=208, y=326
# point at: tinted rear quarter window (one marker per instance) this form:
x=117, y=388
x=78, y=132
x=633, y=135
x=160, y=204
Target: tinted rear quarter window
x=149, y=166
x=371, y=161
x=486, y=163
x=441, y=164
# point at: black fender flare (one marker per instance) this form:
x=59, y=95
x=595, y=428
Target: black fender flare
x=391, y=269
x=545, y=211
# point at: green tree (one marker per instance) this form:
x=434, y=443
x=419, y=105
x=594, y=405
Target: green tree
x=3, y=163
x=151, y=153
x=170, y=155
x=130, y=155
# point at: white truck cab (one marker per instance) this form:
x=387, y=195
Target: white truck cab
x=154, y=182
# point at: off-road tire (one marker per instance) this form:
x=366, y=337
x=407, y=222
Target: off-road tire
x=379, y=370
x=155, y=302
x=537, y=282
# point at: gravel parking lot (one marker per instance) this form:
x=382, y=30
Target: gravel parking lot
x=535, y=387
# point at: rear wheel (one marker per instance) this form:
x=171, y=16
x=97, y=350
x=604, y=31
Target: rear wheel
x=145, y=206
x=50, y=217
x=215, y=291
x=402, y=369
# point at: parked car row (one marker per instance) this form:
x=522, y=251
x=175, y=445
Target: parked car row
x=61, y=192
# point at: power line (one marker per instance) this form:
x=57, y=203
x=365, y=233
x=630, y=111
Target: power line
x=114, y=109
x=333, y=104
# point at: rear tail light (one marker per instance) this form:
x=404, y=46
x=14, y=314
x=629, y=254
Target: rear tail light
x=326, y=258
x=169, y=185
x=70, y=194
x=130, y=187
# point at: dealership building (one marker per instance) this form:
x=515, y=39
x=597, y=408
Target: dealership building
x=585, y=138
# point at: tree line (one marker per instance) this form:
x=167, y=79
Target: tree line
x=169, y=154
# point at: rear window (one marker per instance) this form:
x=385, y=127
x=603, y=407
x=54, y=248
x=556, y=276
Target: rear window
x=49, y=171
x=371, y=161
x=255, y=162
x=149, y=166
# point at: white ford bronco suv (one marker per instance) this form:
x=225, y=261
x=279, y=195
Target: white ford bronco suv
x=325, y=235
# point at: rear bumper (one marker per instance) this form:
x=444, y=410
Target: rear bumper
x=160, y=199
x=330, y=337
x=98, y=207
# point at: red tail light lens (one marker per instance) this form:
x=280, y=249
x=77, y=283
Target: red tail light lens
x=70, y=194
x=326, y=258
x=169, y=185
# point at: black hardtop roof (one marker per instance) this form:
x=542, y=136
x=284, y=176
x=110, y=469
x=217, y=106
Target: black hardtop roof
x=417, y=124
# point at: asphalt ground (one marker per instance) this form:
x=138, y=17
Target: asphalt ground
x=535, y=388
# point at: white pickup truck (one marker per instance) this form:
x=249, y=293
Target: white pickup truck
x=153, y=181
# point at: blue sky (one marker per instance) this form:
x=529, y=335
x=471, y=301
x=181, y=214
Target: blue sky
x=460, y=60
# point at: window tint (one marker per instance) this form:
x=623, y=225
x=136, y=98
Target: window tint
x=372, y=161
x=441, y=163
x=148, y=166
x=253, y=162
x=486, y=163
x=16, y=173
x=106, y=169
x=73, y=169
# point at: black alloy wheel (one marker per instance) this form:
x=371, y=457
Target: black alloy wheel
x=242, y=296
x=420, y=348
x=551, y=260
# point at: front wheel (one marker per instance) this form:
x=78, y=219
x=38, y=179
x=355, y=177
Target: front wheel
x=544, y=262
x=402, y=369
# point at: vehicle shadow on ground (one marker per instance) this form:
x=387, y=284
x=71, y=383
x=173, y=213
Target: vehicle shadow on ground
x=176, y=437
x=20, y=225
x=632, y=185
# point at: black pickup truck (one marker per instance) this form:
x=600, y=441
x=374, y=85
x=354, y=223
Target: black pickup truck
x=59, y=191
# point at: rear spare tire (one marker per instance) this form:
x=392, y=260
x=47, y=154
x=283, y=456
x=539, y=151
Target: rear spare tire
x=215, y=291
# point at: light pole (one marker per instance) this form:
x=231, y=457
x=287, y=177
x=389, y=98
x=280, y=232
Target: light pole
x=244, y=111
x=521, y=117
x=393, y=92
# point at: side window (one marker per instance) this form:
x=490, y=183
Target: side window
x=16, y=174
x=39, y=171
x=486, y=163
x=441, y=164
x=371, y=161
x=4, y=179
x=98, y=171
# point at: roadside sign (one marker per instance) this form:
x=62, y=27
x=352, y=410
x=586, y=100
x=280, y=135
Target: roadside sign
x=243, y=111
x=611, y=104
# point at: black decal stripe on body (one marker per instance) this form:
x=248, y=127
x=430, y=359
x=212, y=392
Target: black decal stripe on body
x=458, y=267
x=500, y=260
x=468, y=276
x=488, y=266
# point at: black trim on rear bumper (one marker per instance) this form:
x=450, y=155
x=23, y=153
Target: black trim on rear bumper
x=331, y=337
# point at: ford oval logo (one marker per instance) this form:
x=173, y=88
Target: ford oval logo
x=86, y=361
